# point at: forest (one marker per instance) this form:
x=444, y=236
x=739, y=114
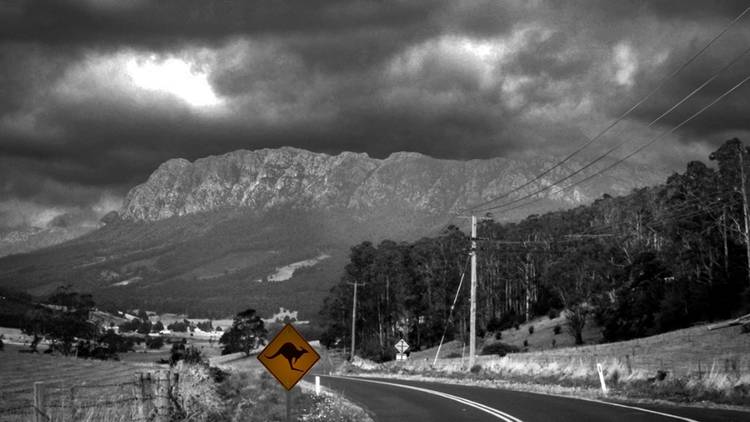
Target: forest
x=658, y=259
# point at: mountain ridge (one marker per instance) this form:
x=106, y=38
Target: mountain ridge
x=206, y=237
x=268, y=178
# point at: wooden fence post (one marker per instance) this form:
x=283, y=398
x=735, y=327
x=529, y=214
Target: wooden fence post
x=40, y=410
x=72, y=402
x=629, y=365
x=144, y=395
x=161, y=396
x=174, y=392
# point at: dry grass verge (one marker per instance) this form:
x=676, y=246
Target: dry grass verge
x=686, y=366
x=254, y=396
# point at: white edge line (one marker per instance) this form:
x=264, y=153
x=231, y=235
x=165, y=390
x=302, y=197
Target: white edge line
x=669, y=415
x=487, y=409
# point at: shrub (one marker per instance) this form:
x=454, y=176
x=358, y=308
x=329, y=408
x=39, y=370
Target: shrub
x=508, y=320
x=193, y=356
x=155, y=342
x=525, y=343
x=475, y=369
x=557, y=329
x=113, y=341
x=553, y=313
x=517, y=327
x=498, y=335
x=494, y=324
x=500, y=349
x=531, y=329
x=180, y=327
x=2, y=345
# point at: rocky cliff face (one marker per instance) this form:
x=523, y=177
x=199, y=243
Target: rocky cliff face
x=404, y=182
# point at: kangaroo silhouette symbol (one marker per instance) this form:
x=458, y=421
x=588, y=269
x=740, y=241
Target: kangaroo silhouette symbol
x=290, y=352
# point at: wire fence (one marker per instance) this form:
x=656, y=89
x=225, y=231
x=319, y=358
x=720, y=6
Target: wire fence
x=143, y=396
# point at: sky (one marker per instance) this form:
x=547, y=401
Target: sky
x=95, y=94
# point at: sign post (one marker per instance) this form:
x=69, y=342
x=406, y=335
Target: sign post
x=288, y=357
x=288, y=405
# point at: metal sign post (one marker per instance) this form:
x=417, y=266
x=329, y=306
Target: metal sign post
x=288, y=357
x=288, y=405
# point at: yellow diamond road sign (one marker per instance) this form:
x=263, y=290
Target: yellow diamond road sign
x=288, y=357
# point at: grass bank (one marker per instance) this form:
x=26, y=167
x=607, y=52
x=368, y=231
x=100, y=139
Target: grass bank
x=250, y=393
x=693, y=365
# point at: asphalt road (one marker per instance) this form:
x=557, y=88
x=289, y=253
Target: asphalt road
x=396, y=400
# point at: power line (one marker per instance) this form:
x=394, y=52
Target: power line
x=611, y=150
x=615, y=121
x=621, y=160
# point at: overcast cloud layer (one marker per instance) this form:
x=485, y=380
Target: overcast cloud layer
x=94, y=94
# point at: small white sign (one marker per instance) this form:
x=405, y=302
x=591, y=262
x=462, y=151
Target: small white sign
x=401, y=346
x=400, y=356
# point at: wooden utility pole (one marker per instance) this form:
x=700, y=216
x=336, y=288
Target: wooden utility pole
x=473, y=307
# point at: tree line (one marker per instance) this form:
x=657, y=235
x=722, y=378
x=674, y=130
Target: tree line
x=657, y=259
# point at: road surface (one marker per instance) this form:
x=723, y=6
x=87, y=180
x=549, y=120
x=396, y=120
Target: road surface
x=402, y=401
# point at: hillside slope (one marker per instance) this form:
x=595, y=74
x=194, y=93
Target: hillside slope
x=210, y=237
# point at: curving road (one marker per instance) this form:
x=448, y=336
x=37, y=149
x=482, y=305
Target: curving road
x=399, y=400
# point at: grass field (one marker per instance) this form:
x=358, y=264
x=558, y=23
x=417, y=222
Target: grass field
x=687, y=365
x=93, y=390
x=101, y=390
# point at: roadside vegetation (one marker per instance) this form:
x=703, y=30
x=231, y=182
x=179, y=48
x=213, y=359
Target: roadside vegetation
x=689, y=365
x=75, y=358
x=254, y=396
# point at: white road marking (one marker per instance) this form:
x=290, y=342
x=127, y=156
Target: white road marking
x=668, y=415
x=479, y=406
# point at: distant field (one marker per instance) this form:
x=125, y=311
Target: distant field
x=141, y=353
x=94, y=386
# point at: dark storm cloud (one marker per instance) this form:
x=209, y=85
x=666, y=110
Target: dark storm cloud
x=452, y=79
x=727, y=115
x=166, y=22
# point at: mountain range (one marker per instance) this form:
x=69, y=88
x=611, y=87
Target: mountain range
x=272, y=227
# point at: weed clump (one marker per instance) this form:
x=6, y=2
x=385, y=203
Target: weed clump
x=500, y=349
